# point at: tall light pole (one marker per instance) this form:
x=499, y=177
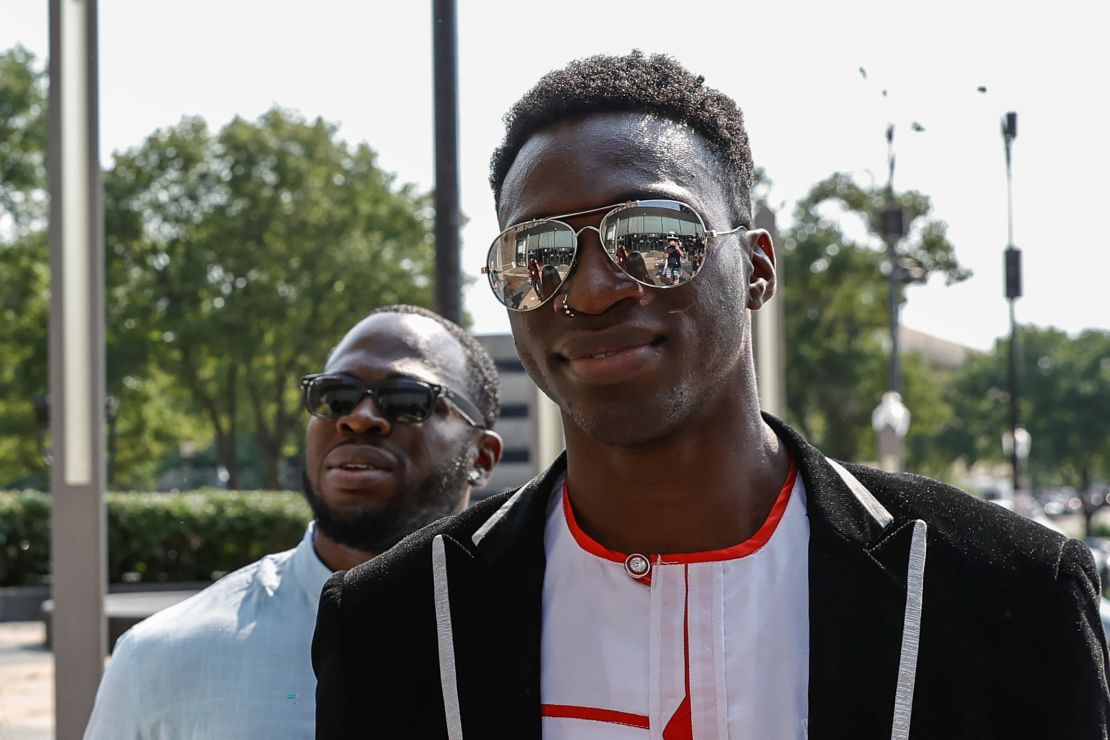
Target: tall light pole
x=1013, y=292
x=891, y=419
x=445, y=64
x=77, y=367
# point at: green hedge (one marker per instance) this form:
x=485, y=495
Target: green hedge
x=194, y=536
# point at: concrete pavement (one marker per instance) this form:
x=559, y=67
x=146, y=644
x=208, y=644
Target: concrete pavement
x=26, y=683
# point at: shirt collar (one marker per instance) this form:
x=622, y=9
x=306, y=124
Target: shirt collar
x=308, y=569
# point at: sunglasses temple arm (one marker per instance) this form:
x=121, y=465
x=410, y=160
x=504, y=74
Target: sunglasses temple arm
x=725, y=233
x=468, y=410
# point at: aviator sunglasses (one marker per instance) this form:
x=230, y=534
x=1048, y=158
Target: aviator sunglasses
x=657, y=243
x=405, y=400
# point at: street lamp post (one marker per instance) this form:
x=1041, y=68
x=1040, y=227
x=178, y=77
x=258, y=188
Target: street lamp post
x=445, y=64
x=78, y=529
x=891, y=421
x=891, y=418
x=1013, y=292
x=1017, y=444
x=893, y=227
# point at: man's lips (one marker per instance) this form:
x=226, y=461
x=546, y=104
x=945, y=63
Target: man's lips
x=612, y=356
x=359, y=456
x=585, y=345
x=358, y=465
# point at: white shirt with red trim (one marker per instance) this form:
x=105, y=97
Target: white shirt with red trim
x=704, y=646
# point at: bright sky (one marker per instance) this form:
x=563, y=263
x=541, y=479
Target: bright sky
x=792, y=66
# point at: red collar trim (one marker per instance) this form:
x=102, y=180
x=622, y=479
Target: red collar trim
x=747, y=547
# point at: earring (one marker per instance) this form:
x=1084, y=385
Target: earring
x=474, y=477
x=567, y=310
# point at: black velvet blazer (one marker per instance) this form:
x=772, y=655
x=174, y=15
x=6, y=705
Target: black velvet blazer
x=443, y=631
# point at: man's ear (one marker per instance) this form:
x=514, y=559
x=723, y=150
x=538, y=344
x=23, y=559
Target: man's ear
x=762, y=279
x=487, y=452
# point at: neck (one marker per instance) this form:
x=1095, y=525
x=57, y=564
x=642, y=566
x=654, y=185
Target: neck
x=706, y=486
x=337, y=556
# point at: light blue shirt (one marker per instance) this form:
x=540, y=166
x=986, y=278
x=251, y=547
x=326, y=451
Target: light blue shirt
x=231, y=662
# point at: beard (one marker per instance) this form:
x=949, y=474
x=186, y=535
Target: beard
x=435, y=497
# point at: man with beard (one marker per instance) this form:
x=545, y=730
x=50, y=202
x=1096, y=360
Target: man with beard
x=400, y=432
x=691, y=568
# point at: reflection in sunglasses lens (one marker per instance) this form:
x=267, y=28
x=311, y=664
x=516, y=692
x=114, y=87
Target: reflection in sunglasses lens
x=406, y=405
x=529, y=263
x=335, y=398
x=658, y=243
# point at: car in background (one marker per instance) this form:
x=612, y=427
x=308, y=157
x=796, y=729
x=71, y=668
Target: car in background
x=1061, y=501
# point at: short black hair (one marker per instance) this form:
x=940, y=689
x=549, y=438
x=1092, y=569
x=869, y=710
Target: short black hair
x=482, y=380
x=655, y=84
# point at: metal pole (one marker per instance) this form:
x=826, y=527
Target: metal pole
x=892, y=222
x=895, y=310
x=445, y=51
x=1014, y=420
x=893, y=229
x=1013, y=292
x=77, y=366
x=769, y=328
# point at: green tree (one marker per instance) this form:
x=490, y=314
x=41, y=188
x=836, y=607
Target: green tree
x=145, y=428
x=24, y=275
x=837, y=323
x=1064, y=402
x=242, y=256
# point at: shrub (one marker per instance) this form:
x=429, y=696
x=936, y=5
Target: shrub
x=193, y=536
x=24, y=538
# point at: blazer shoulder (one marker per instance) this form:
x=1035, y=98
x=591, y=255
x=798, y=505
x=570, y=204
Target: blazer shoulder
x=987, y=535
x=409, y=561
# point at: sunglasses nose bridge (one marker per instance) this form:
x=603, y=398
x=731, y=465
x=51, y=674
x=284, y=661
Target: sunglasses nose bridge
x=596, y=281
x=365, y=418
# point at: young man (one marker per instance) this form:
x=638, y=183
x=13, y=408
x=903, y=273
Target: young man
x=400, y=431
x=691, y=568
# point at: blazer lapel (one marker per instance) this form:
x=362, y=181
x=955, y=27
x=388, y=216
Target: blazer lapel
x=858, y=558
x=496, y=587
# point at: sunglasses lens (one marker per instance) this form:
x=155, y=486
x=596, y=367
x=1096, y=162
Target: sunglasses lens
x=405, y=401
x=657, y=242
x=332, y=397
x=529, y=262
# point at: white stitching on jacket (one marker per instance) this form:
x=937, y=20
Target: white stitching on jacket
x=446, y=641
x=868, y=501
x=495, y=518
x=911, y=633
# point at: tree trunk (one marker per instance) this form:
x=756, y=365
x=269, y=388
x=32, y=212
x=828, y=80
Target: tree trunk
x=229, y=457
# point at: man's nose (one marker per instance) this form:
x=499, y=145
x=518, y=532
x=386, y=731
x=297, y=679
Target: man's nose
x=365, y=418
x=597, y=283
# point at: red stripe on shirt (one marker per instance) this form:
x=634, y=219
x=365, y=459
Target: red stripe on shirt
x=594, y=714
x=681, y=724
x=747, y=547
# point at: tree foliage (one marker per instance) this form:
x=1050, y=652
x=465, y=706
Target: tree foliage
x=242, y=256
x=24, y=275
x=234, y=261
x=837, y=320
x=1064, y=403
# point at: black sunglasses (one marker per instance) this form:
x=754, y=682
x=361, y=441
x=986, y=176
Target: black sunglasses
x=404, y=400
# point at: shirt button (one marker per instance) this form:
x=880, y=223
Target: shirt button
x=636, y=565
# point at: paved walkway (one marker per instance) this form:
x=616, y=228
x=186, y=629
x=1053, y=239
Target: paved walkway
x=26, y=683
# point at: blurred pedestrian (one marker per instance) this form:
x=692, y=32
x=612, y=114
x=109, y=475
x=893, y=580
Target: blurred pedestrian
x=401, y=430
